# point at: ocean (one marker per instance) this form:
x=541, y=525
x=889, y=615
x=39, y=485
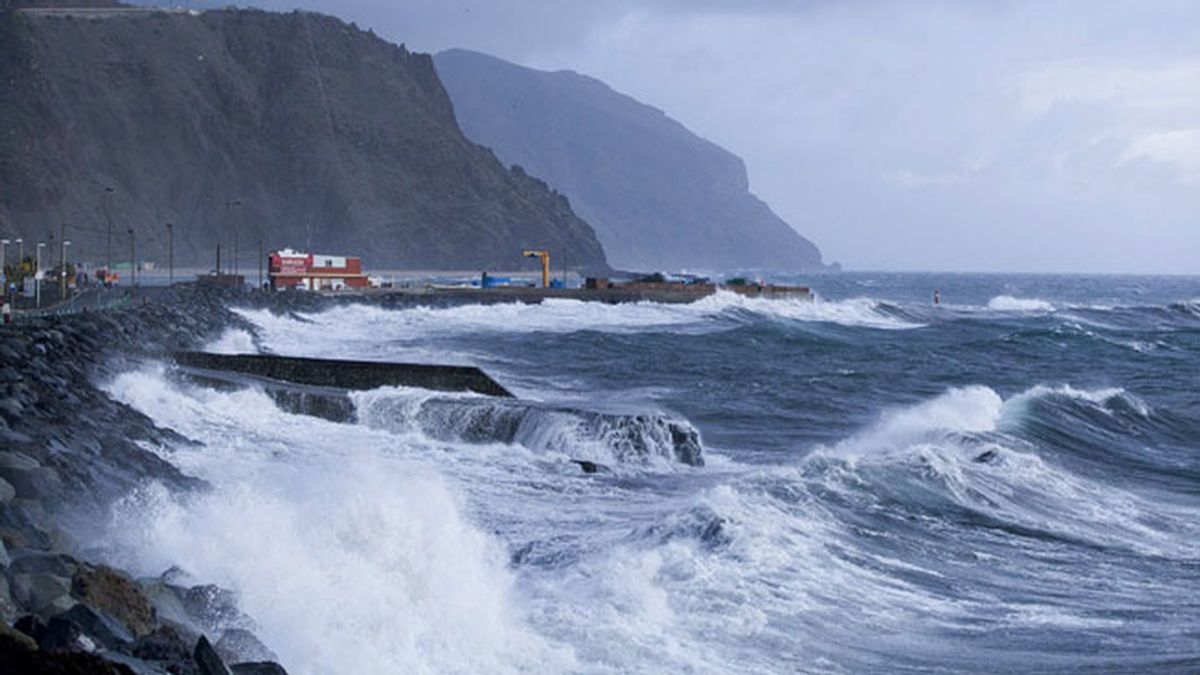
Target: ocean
x=1007, y=481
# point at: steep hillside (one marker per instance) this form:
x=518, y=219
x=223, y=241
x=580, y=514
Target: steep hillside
x=659, y=196
x=296, y=129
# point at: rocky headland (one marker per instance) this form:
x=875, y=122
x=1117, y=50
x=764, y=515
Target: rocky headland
x=243, y=126
x=659, y=196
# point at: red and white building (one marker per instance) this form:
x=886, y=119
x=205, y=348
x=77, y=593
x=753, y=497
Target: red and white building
x=290, y=269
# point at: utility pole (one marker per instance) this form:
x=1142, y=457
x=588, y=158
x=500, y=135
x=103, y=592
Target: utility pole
x=171, y=253
x=132, y=261
x=260, y=265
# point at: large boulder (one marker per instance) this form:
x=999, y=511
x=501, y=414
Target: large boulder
x=207, y=659
x=103, y=629
x=238, y=645
x=108, y=590
x=41, y=593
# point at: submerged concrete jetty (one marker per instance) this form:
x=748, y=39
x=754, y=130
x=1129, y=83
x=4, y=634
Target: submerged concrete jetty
x=339, y=374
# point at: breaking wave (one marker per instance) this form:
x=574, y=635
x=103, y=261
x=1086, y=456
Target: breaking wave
x=603, y=438
x=1007, y=303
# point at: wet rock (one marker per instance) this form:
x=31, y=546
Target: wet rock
x=238, y=645
x=214, y=608
x=207, y=659
x=30, y=562
x=135, y=665
x=103, y=629
x=42, y=594
x=166, y=600
x=7, y=491
x=5, y=559
x=258, y=668
x=16, y=461
x=12, y=638
x=164, y=643
x=8, y=609
x=16, y=660
x=110, y=591
x=65, y=635
x=38, y=483
x=31, y=626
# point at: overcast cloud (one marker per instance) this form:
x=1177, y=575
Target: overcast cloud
x=972, y=135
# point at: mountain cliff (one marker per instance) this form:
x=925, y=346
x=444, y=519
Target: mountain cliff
x=659, y=196
x=294, y=129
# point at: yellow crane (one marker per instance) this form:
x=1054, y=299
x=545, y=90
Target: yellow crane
x=545, y=258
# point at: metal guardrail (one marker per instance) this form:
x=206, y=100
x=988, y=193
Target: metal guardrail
x=89, y=300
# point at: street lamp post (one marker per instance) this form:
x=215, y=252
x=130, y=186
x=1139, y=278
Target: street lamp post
x=132, y=261
x=20, y=252
x=4, y=265
x=37, y=275
x=228, y=217
x=108, y=191
x=62, y=276
x=171, y=253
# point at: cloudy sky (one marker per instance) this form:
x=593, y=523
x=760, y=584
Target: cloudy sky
x=920, y=135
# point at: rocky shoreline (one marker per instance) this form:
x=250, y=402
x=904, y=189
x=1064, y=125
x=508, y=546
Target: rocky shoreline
x=68, y=450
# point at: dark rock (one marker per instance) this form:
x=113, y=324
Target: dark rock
x=65, y=635
x=39, y=483
x=586, y=466
x=110, y=591
x=135, y=665
x=166, y=600
x=214, y=608
x=14, y=638
x=16, y=461
x=258, y=668
x=102, y=628
x=29, y=562
x=238, y=644
x=163, y=644
x=15, y=659
x=40, y=593
x=8, y=609
x=7, y=491
x=31, y=626
x=207, y=659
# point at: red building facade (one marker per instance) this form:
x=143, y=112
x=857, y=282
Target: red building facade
x=290, y=269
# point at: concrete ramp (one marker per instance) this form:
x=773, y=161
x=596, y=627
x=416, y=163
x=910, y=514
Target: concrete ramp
x=338, y=374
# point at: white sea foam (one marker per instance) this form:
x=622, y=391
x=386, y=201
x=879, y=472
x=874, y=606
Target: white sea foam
x=966, y=409
x=348, y=558
x=1007, y=303
x=233, y=341
x=362, y=328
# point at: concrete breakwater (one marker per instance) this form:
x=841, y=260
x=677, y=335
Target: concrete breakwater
x=319, y=387
x=342, y=374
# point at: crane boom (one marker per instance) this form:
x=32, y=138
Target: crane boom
x=545, y=258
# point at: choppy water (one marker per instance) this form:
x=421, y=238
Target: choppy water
x=1007, y=482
